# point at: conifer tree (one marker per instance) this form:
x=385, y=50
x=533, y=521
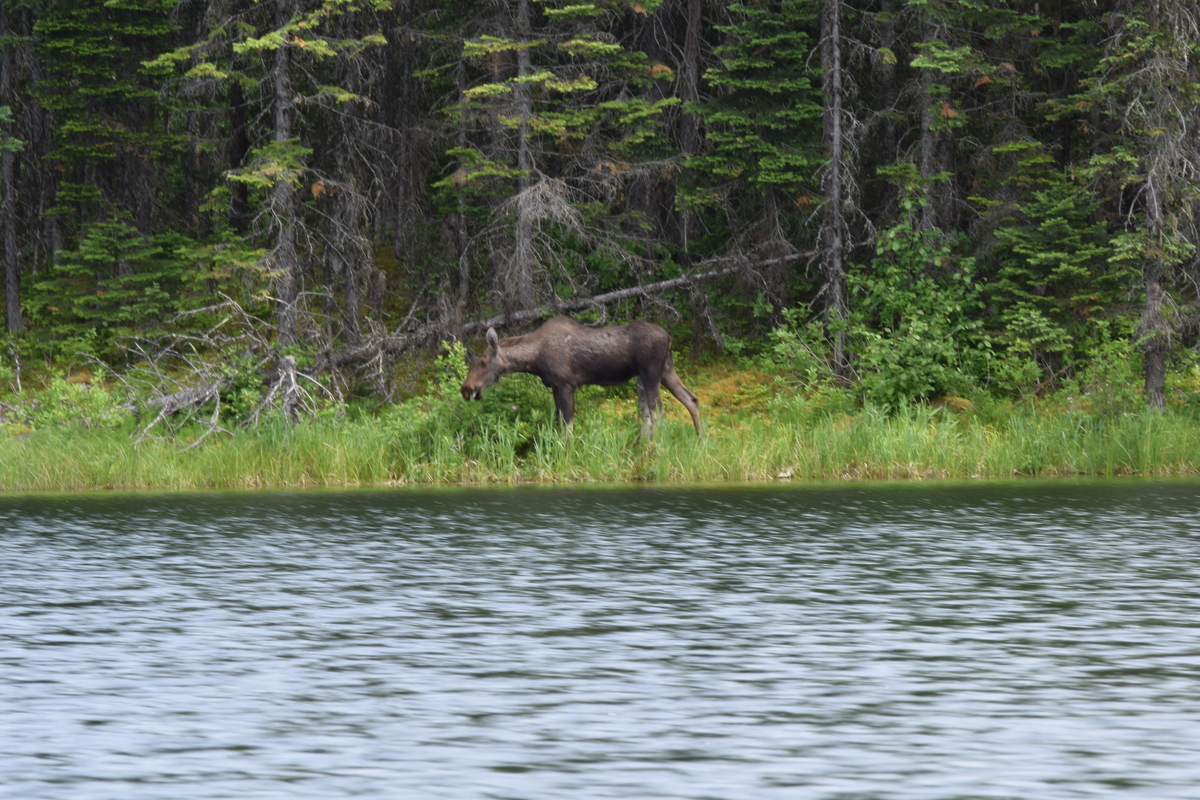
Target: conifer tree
x=109, y=141
x=1149, y=84
x=281, y=53
x=556, y=126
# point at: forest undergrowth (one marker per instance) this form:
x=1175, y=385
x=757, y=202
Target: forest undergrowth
x=758, y=427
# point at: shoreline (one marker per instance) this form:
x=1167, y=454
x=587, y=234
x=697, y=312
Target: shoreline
x=473, y=450
x=813, y=485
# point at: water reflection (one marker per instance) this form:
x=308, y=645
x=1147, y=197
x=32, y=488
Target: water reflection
x=1025, y=640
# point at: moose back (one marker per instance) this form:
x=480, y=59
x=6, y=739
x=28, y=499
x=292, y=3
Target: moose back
x=567, y=355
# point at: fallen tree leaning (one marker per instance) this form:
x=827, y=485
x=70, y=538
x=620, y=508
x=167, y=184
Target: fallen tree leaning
x=401, y=341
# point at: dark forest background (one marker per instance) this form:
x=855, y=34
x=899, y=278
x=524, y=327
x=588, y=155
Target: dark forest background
x=916, y=198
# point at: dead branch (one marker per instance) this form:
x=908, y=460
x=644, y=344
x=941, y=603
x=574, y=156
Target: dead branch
x=187, y=399
x=288, y=392
x=399, y=342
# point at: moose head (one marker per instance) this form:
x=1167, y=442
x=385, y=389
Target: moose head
x=488, y=369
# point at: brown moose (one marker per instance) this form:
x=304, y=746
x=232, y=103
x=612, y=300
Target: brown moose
x=567, y=355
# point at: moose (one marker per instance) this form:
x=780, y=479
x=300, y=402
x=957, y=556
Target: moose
x=567, y=355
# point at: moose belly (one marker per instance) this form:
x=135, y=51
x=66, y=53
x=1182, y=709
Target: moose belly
x=611, y=376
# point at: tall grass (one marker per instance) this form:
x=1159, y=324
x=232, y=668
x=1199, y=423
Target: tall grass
x=446, y=441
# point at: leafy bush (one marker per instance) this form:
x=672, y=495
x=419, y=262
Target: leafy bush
x=63, y=403
x=1110, y=378
x=911, y=323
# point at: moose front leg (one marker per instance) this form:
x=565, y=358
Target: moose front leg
x=649, y=406
x=564, y=405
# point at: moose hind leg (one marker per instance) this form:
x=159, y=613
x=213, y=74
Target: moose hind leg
x=683, y=395
x=564, y=406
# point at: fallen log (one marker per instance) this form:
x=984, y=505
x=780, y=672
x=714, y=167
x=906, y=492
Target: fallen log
x=398, y=343
x=583, y=303
x=171, y=404
x=187, y=398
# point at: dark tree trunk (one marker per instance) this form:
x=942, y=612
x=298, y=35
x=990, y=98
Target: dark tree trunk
x=1156, y=332
x=889, y=93
x=461, y=234
x=521, y=290
x=239, y=148
x=689, y=129
x=930, y=218
x=405, y=172
x=8, y=191
x=649, y=198
x=353, y=301
x=689, y=88
x=833, y=228
x=283, y=196
x=12, y=267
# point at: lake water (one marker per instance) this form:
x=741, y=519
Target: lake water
x=1026, y=640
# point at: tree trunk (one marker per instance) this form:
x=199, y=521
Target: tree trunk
x=520, y=290
x=8, y=192
x=649, y=198
x=931, y=141
x=8, y=211
x=460, y=223
x=353, y=301
x=689, y=126
x=1156, y=332
x=239, y=148
x=889, y=92
x=833, y=228
x=283, y=196
x=930, y=218
x=405, y=216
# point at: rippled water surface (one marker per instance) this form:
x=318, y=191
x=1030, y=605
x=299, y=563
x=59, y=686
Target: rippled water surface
x=1018, y=641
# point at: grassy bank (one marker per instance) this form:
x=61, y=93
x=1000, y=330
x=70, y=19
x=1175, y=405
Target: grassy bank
x=753, y=434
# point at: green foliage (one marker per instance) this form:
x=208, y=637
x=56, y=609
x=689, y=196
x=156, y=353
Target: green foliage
x=817, y=403
x=798, y=349
x=1108, y=374
x=913, y=318
x=578, y=97
x=940, y=57
x=114, y=283
x=766, y=112
x=815, y=436
x=1056, y=285
x=1055, y=144
x=272, y=163
x=63, y=403
x=8, y=143
x=104, y=102
x=1058, y=260
x=514, y=416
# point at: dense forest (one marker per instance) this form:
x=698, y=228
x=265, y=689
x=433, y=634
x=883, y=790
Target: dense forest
x=913, y=197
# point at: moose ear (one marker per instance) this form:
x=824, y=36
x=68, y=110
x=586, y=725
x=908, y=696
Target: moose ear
x=492, y=338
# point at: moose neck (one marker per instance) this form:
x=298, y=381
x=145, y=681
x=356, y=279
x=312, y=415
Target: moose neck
x=520, y=354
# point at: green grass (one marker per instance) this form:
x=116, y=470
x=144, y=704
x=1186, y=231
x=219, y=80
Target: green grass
x=447, y=441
